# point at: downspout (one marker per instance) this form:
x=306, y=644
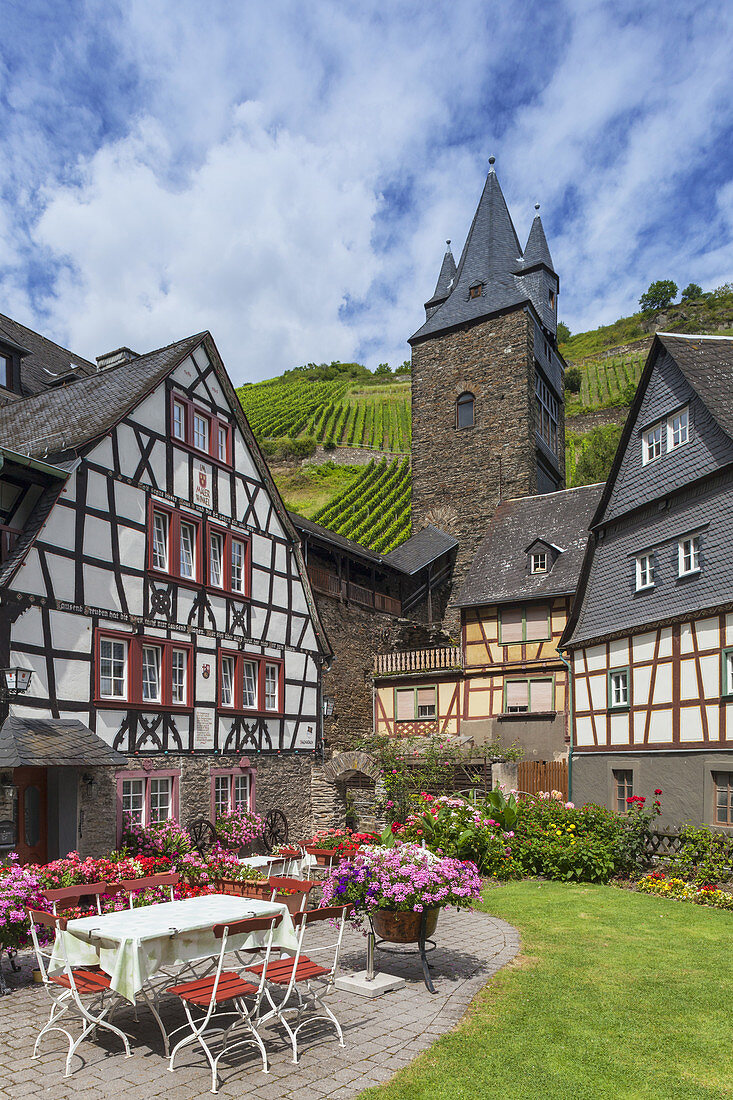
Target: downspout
x=570, y=725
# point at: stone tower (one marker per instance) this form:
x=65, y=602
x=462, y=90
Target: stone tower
x=487, y=382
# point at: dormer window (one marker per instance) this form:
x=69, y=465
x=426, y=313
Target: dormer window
x=551, y=298
x=464, y=411
x=6, y=371
x=538, y=562
x=476, y=290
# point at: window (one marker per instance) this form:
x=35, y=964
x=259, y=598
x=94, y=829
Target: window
x=551, y=297
x=231, y=790
x=524, y=624
x=723, y=798
x=547, y=413
x=618, y=688
x=623, y=782
x=175, y=543
x=476, y=290
x=688, y=556
x=416, y=704
x=200, y=429
x=144, y=798
x=538, y=562
x=727, y=672
x=678, y=429
x=145, y=672
x=229, y=561
x=112, y=668
x=179, y=420
x=249, y=683
x=465, y=410
x=652, y=446
x=644, y=571
x=535, y=696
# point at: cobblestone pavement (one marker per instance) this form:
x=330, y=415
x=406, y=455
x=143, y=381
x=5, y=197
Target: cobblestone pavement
x=381, y=1035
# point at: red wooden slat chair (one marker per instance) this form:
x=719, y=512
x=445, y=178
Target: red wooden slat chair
x=213, y=993
x=69, y=897
x=289, y=973
x=293, y=886
x=67, y=985
x=135, y=885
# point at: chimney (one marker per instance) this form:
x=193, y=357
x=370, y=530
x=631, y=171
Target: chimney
x=115, y=358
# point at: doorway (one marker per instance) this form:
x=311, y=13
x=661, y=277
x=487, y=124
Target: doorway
x=31, y=814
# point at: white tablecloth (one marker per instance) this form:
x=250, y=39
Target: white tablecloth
x=131, y=946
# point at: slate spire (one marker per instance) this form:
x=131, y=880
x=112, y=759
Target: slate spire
x=445, y=282
x=537, y=250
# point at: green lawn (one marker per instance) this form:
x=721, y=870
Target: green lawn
x=307, y=489
x=615, y=994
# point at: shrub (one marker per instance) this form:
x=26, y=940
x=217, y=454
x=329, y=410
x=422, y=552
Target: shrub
x=563, y=333
x=19, y=891
x=573, y=380
x=705, y=856
x=453, y=827
x=162, y=838
x=329, y=445
x=239, y=827
x=691, y=291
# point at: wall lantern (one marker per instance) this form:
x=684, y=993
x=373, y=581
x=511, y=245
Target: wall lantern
x=88, y=781
x=16, y=681
x=328, y=705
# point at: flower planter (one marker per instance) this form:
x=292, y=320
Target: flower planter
x=397, y=927
x=293, y=902
x=246, y=888
x=324, y=856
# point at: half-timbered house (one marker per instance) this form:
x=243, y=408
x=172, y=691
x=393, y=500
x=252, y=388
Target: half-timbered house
x=154, y=585
x=506, y=681
x=651, y=632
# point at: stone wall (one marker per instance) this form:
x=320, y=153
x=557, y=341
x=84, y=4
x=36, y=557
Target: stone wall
x=458, y=475
x=281, y=783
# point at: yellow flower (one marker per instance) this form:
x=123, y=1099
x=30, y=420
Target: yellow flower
x=571, y=827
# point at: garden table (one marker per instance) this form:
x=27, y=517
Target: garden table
x=133, y=945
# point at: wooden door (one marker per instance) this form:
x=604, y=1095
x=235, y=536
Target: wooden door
x=32, y=819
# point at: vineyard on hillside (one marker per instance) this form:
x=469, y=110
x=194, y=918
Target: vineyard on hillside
x=339, y=412
x=606, y=382
x=375, y=510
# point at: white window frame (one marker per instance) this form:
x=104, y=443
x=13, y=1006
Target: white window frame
x=157, y=667
x=250, y=676
x=161, y=540
x=539, y=561
x=160, y=786
x=236, y=546
x=192, y=528
x=222, y=438
x=135, y=790
x=228, y=662
x=199, y=419
x=618, y=689
x=269, y=694
x=652, y=443
x=216, y=559
x=682, y=428
x=683, y=569
x=179, y=683
x=124, y=645
x=644, y=572
x=179, y=419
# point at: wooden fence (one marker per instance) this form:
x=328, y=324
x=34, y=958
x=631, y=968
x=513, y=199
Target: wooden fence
x=541, y=775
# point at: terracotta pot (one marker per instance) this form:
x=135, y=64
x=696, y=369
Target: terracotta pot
x=397, y=927
x=293, y=902
x=248, y=888
x=324, y=856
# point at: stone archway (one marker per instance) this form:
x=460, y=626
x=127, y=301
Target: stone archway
x=347, y=785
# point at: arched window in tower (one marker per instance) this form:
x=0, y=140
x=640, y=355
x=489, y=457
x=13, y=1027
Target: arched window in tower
x=464, y=411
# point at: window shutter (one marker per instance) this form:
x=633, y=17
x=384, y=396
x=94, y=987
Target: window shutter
x=541, y=696
x=405, y=705
x=537, y=622
x=517, y=694
x=511, y=624
x=426, y=702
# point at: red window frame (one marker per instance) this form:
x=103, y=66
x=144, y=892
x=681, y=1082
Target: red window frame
x=134, y=698
x=175, y=518
x=228, y=536
x=231, y=774
x=215, y=423
x=174, y=774
x=260, y=661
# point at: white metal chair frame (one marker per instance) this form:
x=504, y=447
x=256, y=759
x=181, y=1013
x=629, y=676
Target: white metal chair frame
x=249, y=1016
x=310, y=999
x=66, y=998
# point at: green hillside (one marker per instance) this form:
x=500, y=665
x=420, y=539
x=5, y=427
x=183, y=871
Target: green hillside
x=345, y=405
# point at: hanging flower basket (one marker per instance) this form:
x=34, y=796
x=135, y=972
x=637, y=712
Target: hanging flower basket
x=403, y=927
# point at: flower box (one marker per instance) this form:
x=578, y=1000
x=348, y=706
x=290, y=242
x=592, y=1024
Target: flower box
x=324, y=856
x=245, y=888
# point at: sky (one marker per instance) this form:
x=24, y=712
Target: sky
x=285, y=174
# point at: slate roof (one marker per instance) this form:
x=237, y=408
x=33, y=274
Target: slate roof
x=499, y=572
x=537, y=250
x=493, y=256
x=53, y=742
x=308, y=527
x=44, y=360
x=707, y=364
x=420, y=550
x=64, y=419
x=446, y=278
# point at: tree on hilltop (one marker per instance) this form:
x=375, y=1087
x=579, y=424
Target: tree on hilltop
x=563, y=332
x=691, y=291
x=659, y=295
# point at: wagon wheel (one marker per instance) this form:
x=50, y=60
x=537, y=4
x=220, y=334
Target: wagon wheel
x=275, y=831
x=203, y=834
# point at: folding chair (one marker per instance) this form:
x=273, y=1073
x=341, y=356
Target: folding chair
x=66, y=986
x=225, y=987
x=293, y=886
x=289, y=972
x=68, y=897
x=135, y=885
